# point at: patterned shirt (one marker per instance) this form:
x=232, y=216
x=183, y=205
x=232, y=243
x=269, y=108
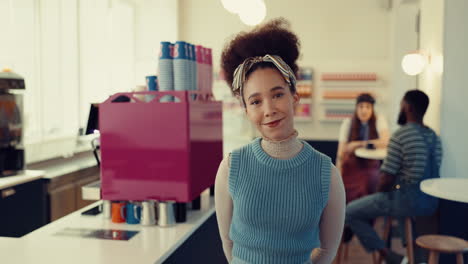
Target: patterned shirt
x=407, y=153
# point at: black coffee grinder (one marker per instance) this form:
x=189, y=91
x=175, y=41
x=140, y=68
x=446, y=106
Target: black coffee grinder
x=11, y=124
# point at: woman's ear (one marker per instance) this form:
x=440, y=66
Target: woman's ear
x=296, y=99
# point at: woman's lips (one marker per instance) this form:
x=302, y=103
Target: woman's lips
x=273, y=123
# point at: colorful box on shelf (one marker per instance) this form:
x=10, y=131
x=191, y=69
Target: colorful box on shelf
x=305, y=74
x=338, y=116
x=303, y=110
x=332, y=120
x=304, y=90
x=339, y=102
x=339, y=113
x=342, y=94
x=349, y=76
x=159, y=150
x=335, y=116
x=305, y=84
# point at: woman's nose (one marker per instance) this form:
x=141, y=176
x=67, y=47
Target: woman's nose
x=269, y=108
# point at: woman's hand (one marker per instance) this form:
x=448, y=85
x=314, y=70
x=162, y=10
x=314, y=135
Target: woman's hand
x=353, y=145
x=382, y=141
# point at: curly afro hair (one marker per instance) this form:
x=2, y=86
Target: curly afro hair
x=274, y=38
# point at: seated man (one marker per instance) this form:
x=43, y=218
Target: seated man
x=414, y=154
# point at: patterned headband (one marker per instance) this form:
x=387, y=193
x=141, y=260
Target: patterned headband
x=242, y=69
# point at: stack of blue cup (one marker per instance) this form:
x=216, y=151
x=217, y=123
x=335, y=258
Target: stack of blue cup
x=194, y=67
x=166, y=69
x=190, y=58
x=182, y=76
x=151, y=85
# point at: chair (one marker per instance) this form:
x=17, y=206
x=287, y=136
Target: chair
x=339, y=255
x=344, y=248
x=437, y=244
x=408, y=235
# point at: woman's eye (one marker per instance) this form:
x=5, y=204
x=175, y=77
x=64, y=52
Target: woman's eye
x=278, y=95
x=255, y=102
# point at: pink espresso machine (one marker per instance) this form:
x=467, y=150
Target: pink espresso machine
x=156, y=150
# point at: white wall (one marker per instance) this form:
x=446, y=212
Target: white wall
x=454, y=120
x=404, y=39
x=155, y=21
x=430, y=80
x=335, y=35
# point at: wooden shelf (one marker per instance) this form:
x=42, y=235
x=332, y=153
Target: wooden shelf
x=305, y=100
x=351, y=84
x=340, y=102
x=346, y=102
x=349, y=76
x=332, y=120
x=302, y=119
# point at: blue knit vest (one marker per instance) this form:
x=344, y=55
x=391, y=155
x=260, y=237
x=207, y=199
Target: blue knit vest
x=277, y=204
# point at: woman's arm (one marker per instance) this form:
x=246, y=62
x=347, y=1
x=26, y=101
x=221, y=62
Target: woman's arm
x=383, y=139
x=331, y=222
x=344, y=147
x=339, y=154
x=384, y=133
x=353, y=145
x=223, y=205
x=380, y=142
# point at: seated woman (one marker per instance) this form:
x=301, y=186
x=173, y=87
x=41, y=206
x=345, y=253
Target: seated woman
x=360, y=176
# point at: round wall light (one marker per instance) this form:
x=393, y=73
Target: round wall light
x=414, y=63
x=254, y=13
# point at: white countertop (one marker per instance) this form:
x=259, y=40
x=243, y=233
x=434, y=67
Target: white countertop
x=152, y=245
x=55, y=169
x=454, y=189
x=71, y=165
x=376, y=154
x=91, y=191
x=24, y=177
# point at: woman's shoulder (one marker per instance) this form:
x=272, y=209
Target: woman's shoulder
x=236, y=153
x=381, y=121
x=379, y=116
x=344, y=130
x=346, y=122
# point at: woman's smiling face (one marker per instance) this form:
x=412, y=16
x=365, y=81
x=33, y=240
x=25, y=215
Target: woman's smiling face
x=364, y=111
x=269, y=103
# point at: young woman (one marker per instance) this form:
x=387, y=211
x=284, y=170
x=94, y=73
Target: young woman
x=278, y=200
x=360, y=176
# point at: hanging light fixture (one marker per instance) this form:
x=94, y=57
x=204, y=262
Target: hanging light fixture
x=253, y=13
x=414, y=63
x=231, y=6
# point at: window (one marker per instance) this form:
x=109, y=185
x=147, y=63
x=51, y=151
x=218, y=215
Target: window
x=71, y=53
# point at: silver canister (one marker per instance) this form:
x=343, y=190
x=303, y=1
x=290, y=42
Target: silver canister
x=166, y=216
x=148, y=216
x=106, y=209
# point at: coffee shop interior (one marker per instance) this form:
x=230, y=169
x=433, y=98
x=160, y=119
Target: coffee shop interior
x=115, y=116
